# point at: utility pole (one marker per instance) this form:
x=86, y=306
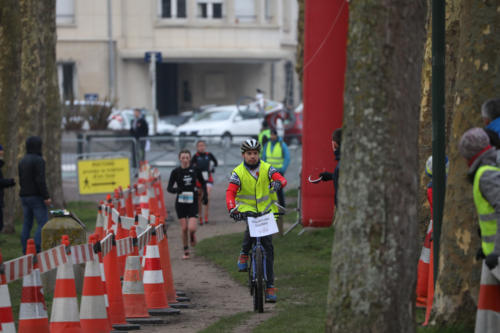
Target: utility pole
x=438, y=124
x=153, y=57
x=111, y=54
x=152, y=74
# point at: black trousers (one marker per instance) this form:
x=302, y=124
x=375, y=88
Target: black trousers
x=267, y=244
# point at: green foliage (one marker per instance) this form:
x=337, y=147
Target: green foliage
x=86, y=211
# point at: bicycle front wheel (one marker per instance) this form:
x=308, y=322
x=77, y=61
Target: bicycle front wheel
x=258, y=297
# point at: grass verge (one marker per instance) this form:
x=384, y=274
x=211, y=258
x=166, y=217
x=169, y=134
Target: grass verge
x=302, y=266
x=10, y=245
x=302, y=269
x=228, y=324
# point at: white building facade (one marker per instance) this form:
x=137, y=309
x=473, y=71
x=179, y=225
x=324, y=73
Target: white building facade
x=212, y=51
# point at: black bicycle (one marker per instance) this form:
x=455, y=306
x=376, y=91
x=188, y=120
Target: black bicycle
x=257, y=270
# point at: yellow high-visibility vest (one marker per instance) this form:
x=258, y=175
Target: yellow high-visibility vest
x=486, y=212
x=274, y=157
x=254, y=194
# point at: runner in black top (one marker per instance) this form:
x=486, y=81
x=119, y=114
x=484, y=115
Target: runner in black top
x=186, y=203
x=206, y=162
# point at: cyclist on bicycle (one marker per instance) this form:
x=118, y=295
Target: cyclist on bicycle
x=249, y=190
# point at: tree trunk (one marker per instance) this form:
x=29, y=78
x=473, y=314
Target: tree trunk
x=10, y=78
x=474, y=80
x=53, y=112
x=425, y=130
x=373, y=271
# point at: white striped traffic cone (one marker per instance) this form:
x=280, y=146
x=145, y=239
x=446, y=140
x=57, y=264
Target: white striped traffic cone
x=488, y=305
x=93, y=315
x=65, y=317
x=33, y=312
x=6, y=317
x=154, y=290
x=133, y=294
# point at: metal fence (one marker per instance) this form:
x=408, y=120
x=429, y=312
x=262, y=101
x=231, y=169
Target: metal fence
x=162, y=152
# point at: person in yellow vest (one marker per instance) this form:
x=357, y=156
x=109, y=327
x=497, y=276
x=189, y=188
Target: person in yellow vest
x=276, y=153
x=484, y=173
x=265, y=133
x=249, y=190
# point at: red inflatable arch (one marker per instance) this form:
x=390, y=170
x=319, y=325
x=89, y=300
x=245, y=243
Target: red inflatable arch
x=326, y=24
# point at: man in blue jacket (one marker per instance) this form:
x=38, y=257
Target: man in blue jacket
x=490, y=111
x=275, y=152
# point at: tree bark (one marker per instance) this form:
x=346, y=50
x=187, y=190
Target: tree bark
x=53, y=112
x=29, y=95
x=373, y=272
x=10, y=78
x=425, y=130
x=474, y=80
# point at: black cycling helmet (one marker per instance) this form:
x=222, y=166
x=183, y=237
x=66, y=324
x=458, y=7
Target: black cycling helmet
x=250, y=144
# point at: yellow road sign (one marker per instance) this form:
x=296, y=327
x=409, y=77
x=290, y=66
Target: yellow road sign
x=103, y=176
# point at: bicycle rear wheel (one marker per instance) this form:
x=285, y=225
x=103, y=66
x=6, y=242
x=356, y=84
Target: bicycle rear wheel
x=258, y=297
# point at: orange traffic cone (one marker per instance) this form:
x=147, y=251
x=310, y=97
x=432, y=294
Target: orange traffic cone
x=121, y=233
x=33, y=312
x=99, y=223
x=93, y=315
x=430, y=292
x=65, y=316
x=129, y=205
x=6, y=317
x=423, y=269
x=94, y=239
x=172, y=297
x=144, y=200
x=133, y=290
x=154, y=289
x=114, y=291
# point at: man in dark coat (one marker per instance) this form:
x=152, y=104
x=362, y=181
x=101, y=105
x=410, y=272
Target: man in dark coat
x=4, y=183
x=327, y=176
x=34, y=194
x=139, y=129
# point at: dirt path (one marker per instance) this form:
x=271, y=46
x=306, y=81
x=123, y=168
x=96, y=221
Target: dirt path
x=212, y=291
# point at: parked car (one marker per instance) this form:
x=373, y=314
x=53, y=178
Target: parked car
x=177, y=119
x=223, y=124
x=120, y=120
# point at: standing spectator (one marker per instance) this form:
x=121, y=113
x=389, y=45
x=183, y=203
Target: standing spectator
x=4, y=183
x=206, y=162
x=259, y=97
x=490, y=111
x=139, y=129
x=34, y=194
x=276, y=153
x=484, y=173
x=327, y=176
